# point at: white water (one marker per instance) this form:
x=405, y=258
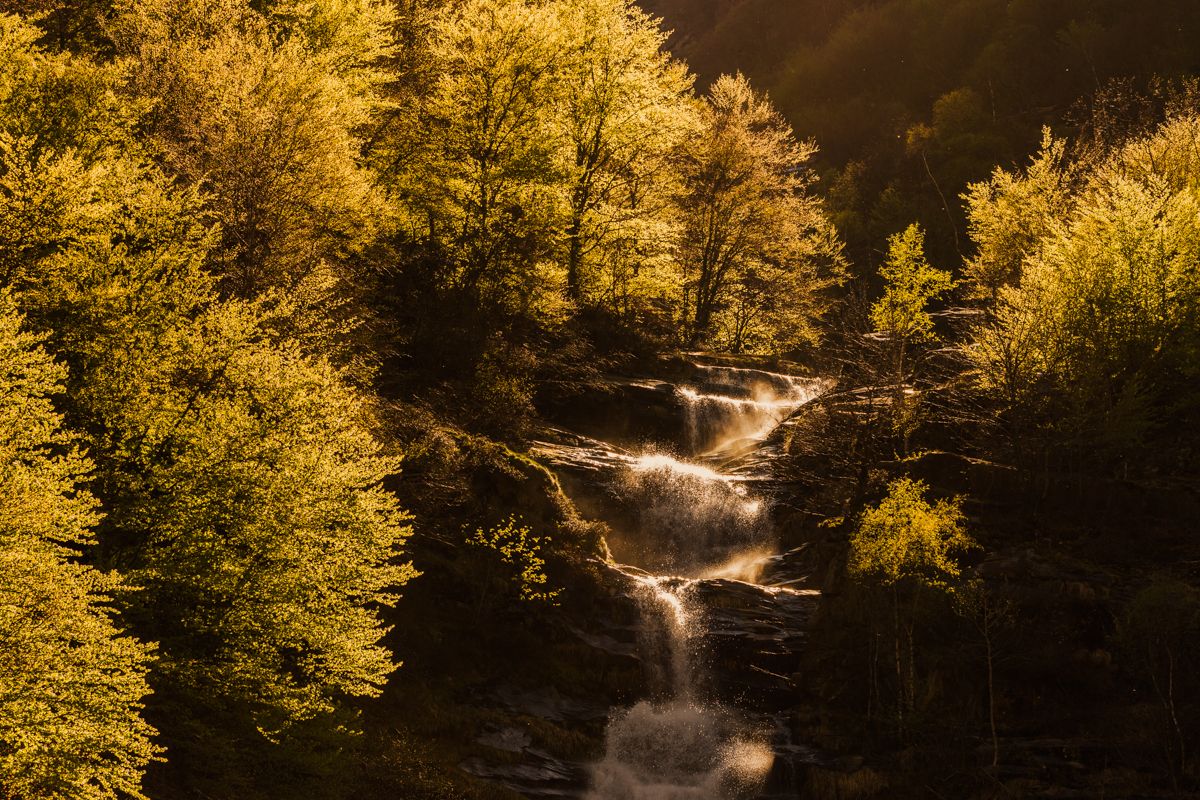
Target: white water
x=679, y=747
x=702, y=524
x=679, y=751
x=669, y=636
x=736, y=408
x=690, y=518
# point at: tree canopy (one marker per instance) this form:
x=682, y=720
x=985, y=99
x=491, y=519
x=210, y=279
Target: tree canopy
x=751, y=229
x=1099, y=325
x=236, y=467
x=71, y=698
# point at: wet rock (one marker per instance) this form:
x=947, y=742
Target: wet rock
x=606, y=643
x=793, y=569
x=755, y=636
x=510, y=740
x=548, y=704
x=539, y=775
x=622, y=410
x=713, y=649
x=587, y=457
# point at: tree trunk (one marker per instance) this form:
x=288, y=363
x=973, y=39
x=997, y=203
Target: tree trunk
x=579, y=199
x=705, y=300
x=991, y=684
x=899, y=662
x=700, y=326
x=574, y=259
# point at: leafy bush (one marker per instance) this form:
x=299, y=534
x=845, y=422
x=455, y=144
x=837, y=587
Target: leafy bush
x=512, y=568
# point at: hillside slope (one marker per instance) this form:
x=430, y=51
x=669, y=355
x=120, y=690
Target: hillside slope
x=911, y=99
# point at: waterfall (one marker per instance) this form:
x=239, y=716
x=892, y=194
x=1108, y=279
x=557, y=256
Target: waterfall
x=679, y=748
x=668, y=636
x=732, y=408
x=689, y=522
x=693, y=523
x=688, y=517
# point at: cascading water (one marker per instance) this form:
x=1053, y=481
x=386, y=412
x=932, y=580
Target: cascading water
x=689, y=517
x=693, y=524
x=677, y=747
x=731, y=408
x=669, y=634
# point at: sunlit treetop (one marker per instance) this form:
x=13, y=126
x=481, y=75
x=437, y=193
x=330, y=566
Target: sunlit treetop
x=907, y=539
x=910, y=283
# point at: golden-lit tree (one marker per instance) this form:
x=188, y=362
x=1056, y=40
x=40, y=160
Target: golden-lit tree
x=624, y=107
x=748, y=216
x=72, y=686
x=901, y=316
x=1102, y=325
x=1010, y=215
x=910, y=284
x=483, y=180
x=238, y=473
x=906, y=547
x=267, y=111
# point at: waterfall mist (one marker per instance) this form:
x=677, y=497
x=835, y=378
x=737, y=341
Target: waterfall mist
x=687, y=518
x=680, y=751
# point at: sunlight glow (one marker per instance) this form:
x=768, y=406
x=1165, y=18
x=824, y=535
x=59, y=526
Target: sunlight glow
x=746, y=566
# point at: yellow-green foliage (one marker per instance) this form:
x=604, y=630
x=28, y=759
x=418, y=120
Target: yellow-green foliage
x=484, y=157
x=255, y=484
x=622, y=105
x=755, y=248
x=1103, y=316
x=558, y=159
x=239, y=475
x=910, y=283
x=71, y=685
x=266, y=110
x=537, y=160
x=1010, y=214
x=513, y=548
x=905, y=539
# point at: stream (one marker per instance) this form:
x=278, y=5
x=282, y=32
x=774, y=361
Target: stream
x=723, y=611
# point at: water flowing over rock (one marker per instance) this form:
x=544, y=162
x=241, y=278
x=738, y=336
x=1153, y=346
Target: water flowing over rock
x=731, y=409
x=678, y=746
x=680, y=468
x=723, y=615
x=690, y=519
x=669, y=633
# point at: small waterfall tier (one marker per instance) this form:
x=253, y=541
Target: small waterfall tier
x=729, y=410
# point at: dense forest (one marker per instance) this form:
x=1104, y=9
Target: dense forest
x=911, y=100
x=359, y=363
